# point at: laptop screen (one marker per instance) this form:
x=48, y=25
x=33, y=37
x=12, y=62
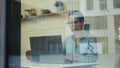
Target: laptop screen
x=47, y=49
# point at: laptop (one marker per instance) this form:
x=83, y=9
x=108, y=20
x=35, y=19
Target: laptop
x=47, y=49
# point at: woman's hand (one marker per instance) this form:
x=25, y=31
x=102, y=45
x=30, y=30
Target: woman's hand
x=75, y=58
x=68, y=58
x=71, y=58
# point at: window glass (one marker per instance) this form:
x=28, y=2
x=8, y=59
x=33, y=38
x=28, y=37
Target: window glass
x=117, y=31
x=104, y=42
x=89, y=4
x=103, y=4
x=65, y=33
x=116, y=3
x=97, y=22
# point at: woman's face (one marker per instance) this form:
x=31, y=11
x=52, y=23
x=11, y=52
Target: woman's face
x=74, y=23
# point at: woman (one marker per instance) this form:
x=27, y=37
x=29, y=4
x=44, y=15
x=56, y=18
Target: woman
x=72, y=43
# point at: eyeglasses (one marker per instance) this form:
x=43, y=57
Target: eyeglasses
x=73, y=22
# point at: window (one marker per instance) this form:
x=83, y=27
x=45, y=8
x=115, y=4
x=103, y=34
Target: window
x=103, y=4
x=117, y=31
x=73, y=4
x=116, y=3
x=97, y=22
x=41, y=37
x=89, y=4
x=104, y=42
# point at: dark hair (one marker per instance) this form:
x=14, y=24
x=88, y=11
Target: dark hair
x=78, y=14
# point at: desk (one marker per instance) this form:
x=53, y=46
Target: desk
x=26, y=63
x=43, y=65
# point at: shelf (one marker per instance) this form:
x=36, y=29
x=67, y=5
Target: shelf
x=43, y=15
x=49, y=14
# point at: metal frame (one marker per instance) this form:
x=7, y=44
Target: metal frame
x=2, y=32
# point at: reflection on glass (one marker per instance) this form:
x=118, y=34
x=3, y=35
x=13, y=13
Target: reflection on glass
x=117, y=30
x=97, y=22
x=104, y=42
x=103, y=4
x=116, y=3
x=39, y=32
x=89, y=4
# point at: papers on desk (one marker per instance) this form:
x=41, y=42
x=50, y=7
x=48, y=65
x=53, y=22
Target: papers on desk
x=95, y=47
